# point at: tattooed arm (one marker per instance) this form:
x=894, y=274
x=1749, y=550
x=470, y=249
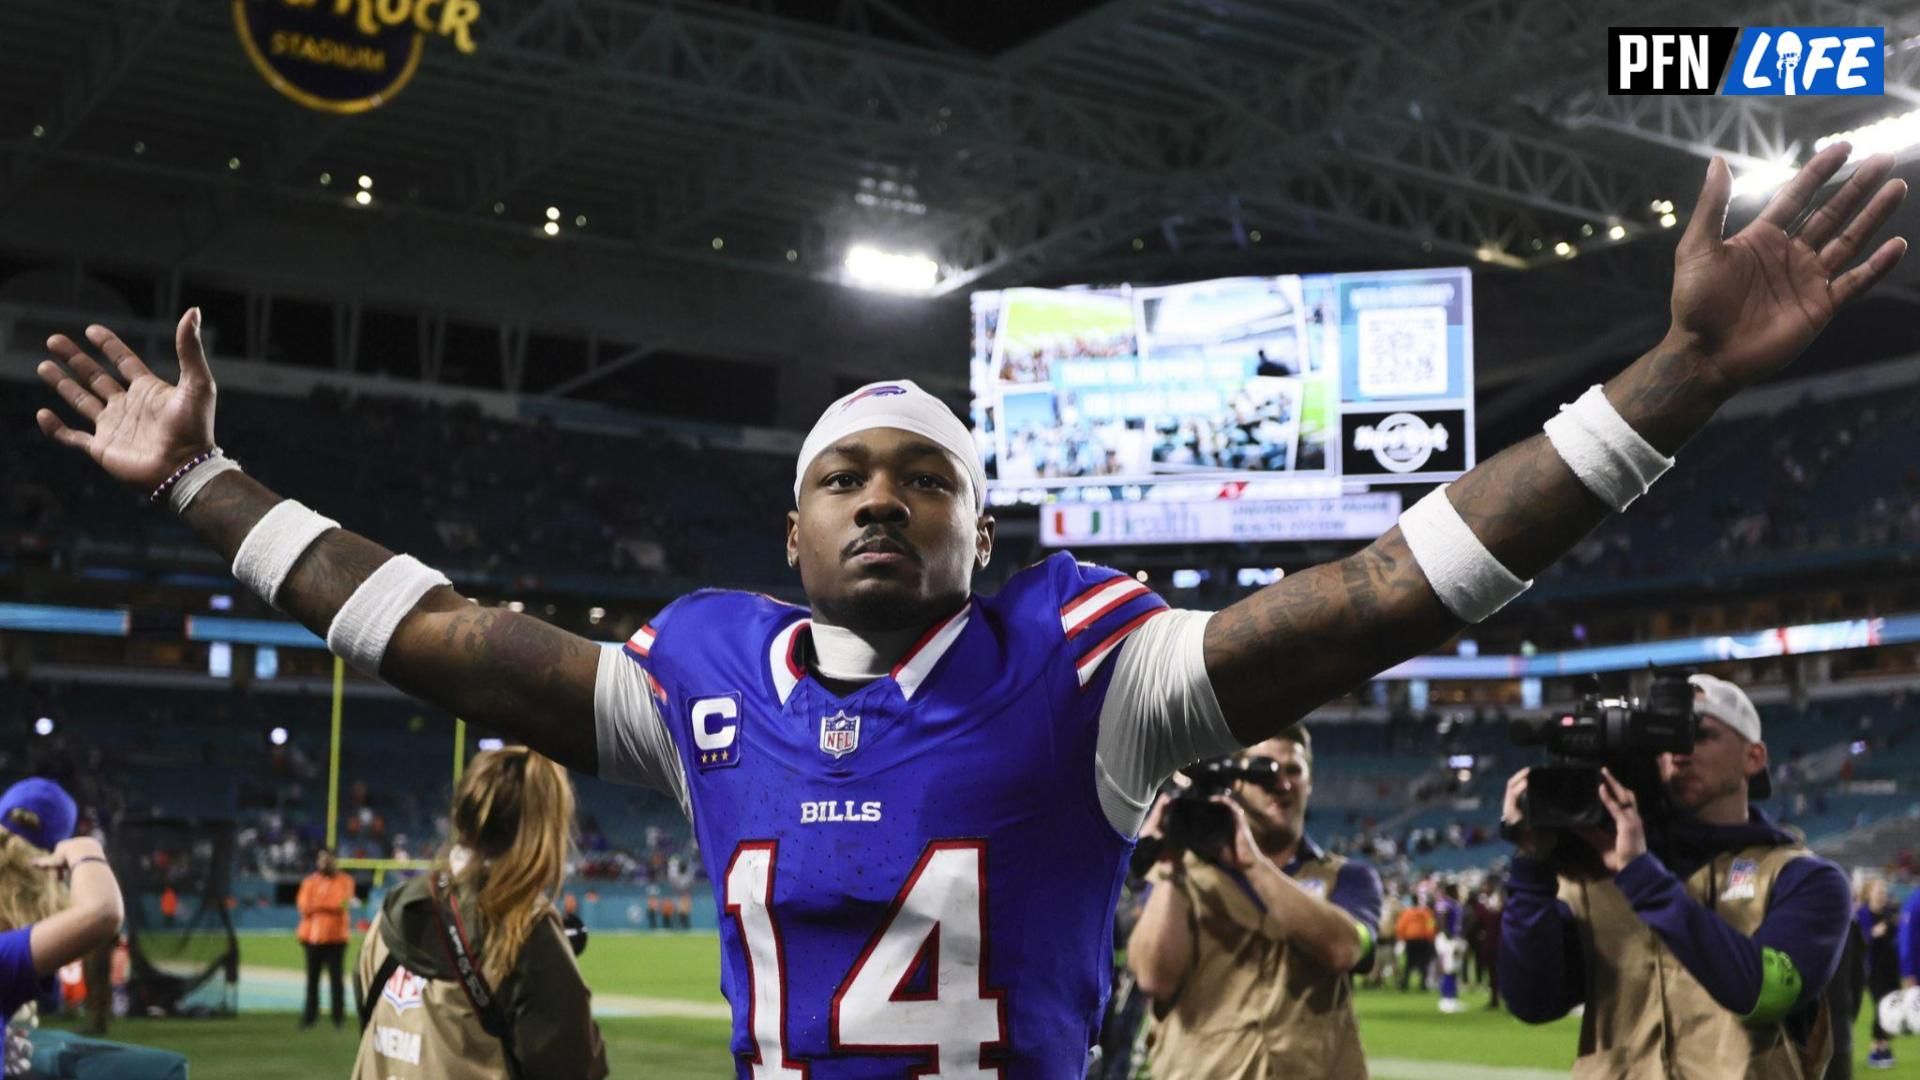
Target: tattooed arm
x=512, y=673
x=1335, y=626
x=509, y=672
x=1743, y=308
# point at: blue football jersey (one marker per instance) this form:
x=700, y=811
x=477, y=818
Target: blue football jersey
x=916, y=878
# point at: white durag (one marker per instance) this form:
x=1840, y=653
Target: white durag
x=895, y=404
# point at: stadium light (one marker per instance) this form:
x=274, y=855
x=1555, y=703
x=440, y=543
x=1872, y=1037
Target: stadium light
x=364, y=198
x=1891, y=135
x=366, y=182
x=871, y=268
x=553, y=213
x=551, y=228
x=492, y=744
x=43, y=726
x=278, y=736
x=1618, y=232
x=1761, y=179
x=1667, y=220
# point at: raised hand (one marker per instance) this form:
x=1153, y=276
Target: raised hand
x=143, y=429
x=1749, y=303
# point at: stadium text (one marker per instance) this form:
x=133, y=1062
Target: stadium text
x=325, y=51
x=456, y=17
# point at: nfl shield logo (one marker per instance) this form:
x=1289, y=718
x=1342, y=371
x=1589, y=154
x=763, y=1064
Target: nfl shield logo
x=839, y=734
x=1742, y=876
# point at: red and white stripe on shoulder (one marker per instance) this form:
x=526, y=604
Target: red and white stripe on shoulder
x=642, y=640
x=1087, y=665
x=1078, y=615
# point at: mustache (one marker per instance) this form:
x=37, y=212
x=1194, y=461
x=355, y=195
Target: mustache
x=880, y=540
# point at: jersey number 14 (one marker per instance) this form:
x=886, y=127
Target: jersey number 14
x=937, y=927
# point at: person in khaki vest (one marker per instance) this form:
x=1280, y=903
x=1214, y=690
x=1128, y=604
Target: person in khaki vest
x=1247, y=953
x=1708, y=959
x=512, y=824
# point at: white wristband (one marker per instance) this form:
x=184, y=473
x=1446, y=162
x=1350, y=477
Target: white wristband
x=1468, y=579
x=183, y=492
x=1603, y=450
x=364, y=625
x=274, y=544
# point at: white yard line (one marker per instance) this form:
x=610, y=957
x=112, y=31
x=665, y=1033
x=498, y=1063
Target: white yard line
x=284, y=985
x=1407, y=1069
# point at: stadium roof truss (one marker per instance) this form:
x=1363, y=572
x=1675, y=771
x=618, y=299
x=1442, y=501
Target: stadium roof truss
x=1202, y=135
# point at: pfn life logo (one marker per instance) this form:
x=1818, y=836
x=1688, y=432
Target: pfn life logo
x=1781, y=61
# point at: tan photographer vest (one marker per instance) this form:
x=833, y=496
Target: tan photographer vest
x=1251, y=1008
x=1647, y=1017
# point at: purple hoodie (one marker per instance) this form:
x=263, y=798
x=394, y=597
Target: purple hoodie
x=1543, y=967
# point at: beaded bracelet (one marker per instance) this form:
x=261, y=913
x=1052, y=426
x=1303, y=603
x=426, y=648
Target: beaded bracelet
x=192, y=463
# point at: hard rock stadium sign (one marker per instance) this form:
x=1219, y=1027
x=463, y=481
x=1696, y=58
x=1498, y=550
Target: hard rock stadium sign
x=347, y=56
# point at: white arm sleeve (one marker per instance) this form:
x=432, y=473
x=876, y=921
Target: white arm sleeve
x=1160, y=714
x=635, y=746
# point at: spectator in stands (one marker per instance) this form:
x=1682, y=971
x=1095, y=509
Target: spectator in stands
x=1265, y=990
x=1879, y=920
x=1748, y=925
x=324, y=900
x=521, y=1011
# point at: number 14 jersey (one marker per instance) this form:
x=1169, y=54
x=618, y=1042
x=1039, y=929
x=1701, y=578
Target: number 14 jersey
x=916, y=878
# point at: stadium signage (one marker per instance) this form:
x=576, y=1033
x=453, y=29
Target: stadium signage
x=1346, y=517
x=347, y=56
x=1403, y=443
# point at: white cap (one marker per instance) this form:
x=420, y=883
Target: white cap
x=895, y=404
x=1726, y=703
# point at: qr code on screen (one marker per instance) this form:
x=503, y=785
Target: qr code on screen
x=1403, y=351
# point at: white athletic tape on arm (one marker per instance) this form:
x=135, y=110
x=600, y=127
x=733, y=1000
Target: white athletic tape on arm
x=1468, y=579
x=364, y=625
x=274, y=544
x=183, y=492
x=1604, y=451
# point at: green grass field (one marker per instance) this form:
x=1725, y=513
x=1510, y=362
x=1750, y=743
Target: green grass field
x=1402, y=1032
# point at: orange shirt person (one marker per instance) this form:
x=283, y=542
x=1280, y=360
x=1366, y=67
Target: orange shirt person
x=1416, y=929
x=324, y=898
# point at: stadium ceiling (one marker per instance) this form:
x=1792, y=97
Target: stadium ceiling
x=1049, y=141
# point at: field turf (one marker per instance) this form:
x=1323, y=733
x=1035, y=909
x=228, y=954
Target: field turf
x=1405, y=1034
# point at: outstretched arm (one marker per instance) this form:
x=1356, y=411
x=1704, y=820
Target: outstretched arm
x=506, y=671
x=1743, y=308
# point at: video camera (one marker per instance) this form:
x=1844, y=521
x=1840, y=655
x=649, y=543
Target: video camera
x=1193, y=821
x=1622, y=734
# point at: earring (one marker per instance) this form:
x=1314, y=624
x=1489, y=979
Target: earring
x=791, y=561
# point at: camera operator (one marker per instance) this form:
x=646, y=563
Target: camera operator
x=1746, y=924
x=1248, y=937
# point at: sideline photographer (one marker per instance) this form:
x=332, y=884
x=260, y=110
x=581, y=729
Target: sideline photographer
x=1251, y=930
x=1747, y=924
x=468, y=972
